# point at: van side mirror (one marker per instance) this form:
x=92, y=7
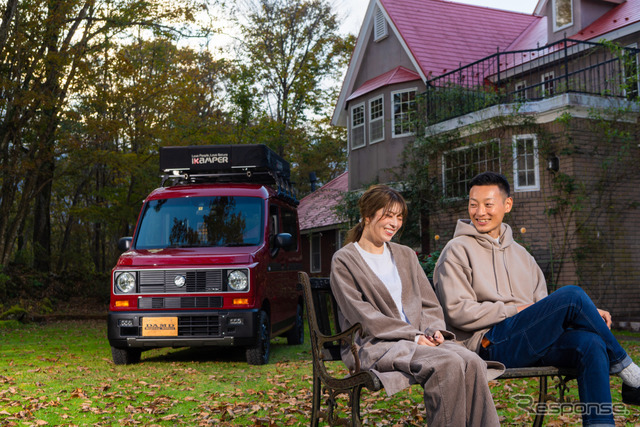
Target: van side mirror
x=285, y=241
x=124, y=244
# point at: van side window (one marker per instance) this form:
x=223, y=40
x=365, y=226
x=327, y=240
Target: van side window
x=290, y=225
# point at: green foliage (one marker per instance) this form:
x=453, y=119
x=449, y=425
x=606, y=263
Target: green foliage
x=51, y=54
x=16, y=313
x=5, y=286
x=453, y=100
x=428, y=262
x=10, y=324
x=291, y=48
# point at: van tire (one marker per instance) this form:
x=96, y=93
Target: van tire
x=125, y=356
x=259, y=353
x=295, y=336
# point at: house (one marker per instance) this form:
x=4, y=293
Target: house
x=321, y=229
x=547, y=99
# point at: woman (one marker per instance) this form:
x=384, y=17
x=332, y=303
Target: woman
x=381, y=285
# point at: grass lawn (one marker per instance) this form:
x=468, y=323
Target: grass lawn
x=61, y=373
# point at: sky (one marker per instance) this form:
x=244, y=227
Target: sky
x=352, y=11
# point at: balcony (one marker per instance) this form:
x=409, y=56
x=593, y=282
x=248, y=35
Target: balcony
x=517, y=77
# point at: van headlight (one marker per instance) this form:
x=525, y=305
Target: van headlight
x=237, y=280
x=126, y=282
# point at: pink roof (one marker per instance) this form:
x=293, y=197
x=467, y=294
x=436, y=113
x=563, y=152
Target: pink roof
x=442, y=35
x=534, y=36
x=316, y=210
x=397, y=75
x=620, y=16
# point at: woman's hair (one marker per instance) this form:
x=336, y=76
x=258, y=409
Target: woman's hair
x=375, y=198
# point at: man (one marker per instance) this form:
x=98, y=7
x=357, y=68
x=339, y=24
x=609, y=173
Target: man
x=494, y=298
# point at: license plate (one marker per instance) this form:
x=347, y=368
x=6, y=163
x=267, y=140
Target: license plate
x=159, y=326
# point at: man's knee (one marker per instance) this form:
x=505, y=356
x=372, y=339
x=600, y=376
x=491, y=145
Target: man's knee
x=572, y=293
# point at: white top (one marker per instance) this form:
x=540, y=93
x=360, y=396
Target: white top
x=385, y=268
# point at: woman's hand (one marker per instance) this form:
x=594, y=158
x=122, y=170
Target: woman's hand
x=433, y=341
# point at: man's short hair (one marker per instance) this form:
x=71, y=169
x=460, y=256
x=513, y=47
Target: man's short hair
x=491, y=178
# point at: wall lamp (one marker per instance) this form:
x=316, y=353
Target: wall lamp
x=553, y=163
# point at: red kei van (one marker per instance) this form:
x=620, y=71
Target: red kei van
x=214, y=257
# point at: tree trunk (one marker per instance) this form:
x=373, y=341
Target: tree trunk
x=42, y=219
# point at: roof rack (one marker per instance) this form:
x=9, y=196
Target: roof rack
x=247, y=163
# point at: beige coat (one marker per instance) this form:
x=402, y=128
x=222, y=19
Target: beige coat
x=481, y=282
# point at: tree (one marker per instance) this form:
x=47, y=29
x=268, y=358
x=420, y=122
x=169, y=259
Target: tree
x=135, y=99
x=291, y=49
x=325, y=155
x=43, y=51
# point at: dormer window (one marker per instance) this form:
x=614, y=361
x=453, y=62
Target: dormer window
x=379, y=26
x=562, y=14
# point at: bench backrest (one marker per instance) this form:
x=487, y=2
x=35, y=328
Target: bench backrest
x=322, y=314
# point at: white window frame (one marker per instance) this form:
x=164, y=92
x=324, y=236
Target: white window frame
x=315, y=268
x=373, y=121
x=468, y=147
x=380, y=30
x=361, y=125
x=340, y=236
x=550, y=91
x=624, y=72
x=536, y=163
x=393, y=111
x=521, y=89
x=555, y=18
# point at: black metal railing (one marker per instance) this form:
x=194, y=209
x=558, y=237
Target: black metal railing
x=601, y=69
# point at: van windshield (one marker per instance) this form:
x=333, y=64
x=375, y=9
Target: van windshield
x=201, y=221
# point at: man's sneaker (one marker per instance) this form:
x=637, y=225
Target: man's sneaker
x=630, y=395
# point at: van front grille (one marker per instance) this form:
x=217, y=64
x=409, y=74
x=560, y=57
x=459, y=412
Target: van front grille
x=164, y=281
x=179, y=302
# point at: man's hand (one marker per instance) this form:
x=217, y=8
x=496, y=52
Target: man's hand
x=522, y=307
x=606, y=316
x=432, y=341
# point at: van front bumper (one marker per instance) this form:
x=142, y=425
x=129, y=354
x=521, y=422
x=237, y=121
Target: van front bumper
x=194, y=328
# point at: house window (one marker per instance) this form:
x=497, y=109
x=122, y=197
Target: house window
x=315, y=266
x=562, y=14
x=630, y=70
x=526, y=175
x=548, y=84
x=340, y=236
x=376, y=120
x=520, y=91
x=379, y=26
x=404, y=107
x=357, y=126
x=462, y=164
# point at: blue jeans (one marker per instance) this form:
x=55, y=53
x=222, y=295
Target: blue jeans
x=563, y=330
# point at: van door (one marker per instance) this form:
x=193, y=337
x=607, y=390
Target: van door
x=284, y=265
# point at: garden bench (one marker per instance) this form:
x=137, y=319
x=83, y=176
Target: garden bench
x=326, y=338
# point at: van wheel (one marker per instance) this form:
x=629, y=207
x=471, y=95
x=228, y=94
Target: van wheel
x=295, y=336
x=125, y=356
x=259, y=354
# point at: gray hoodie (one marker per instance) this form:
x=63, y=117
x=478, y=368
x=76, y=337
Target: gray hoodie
x=481, y=282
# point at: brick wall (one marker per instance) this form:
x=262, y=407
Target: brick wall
x=593, y=241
